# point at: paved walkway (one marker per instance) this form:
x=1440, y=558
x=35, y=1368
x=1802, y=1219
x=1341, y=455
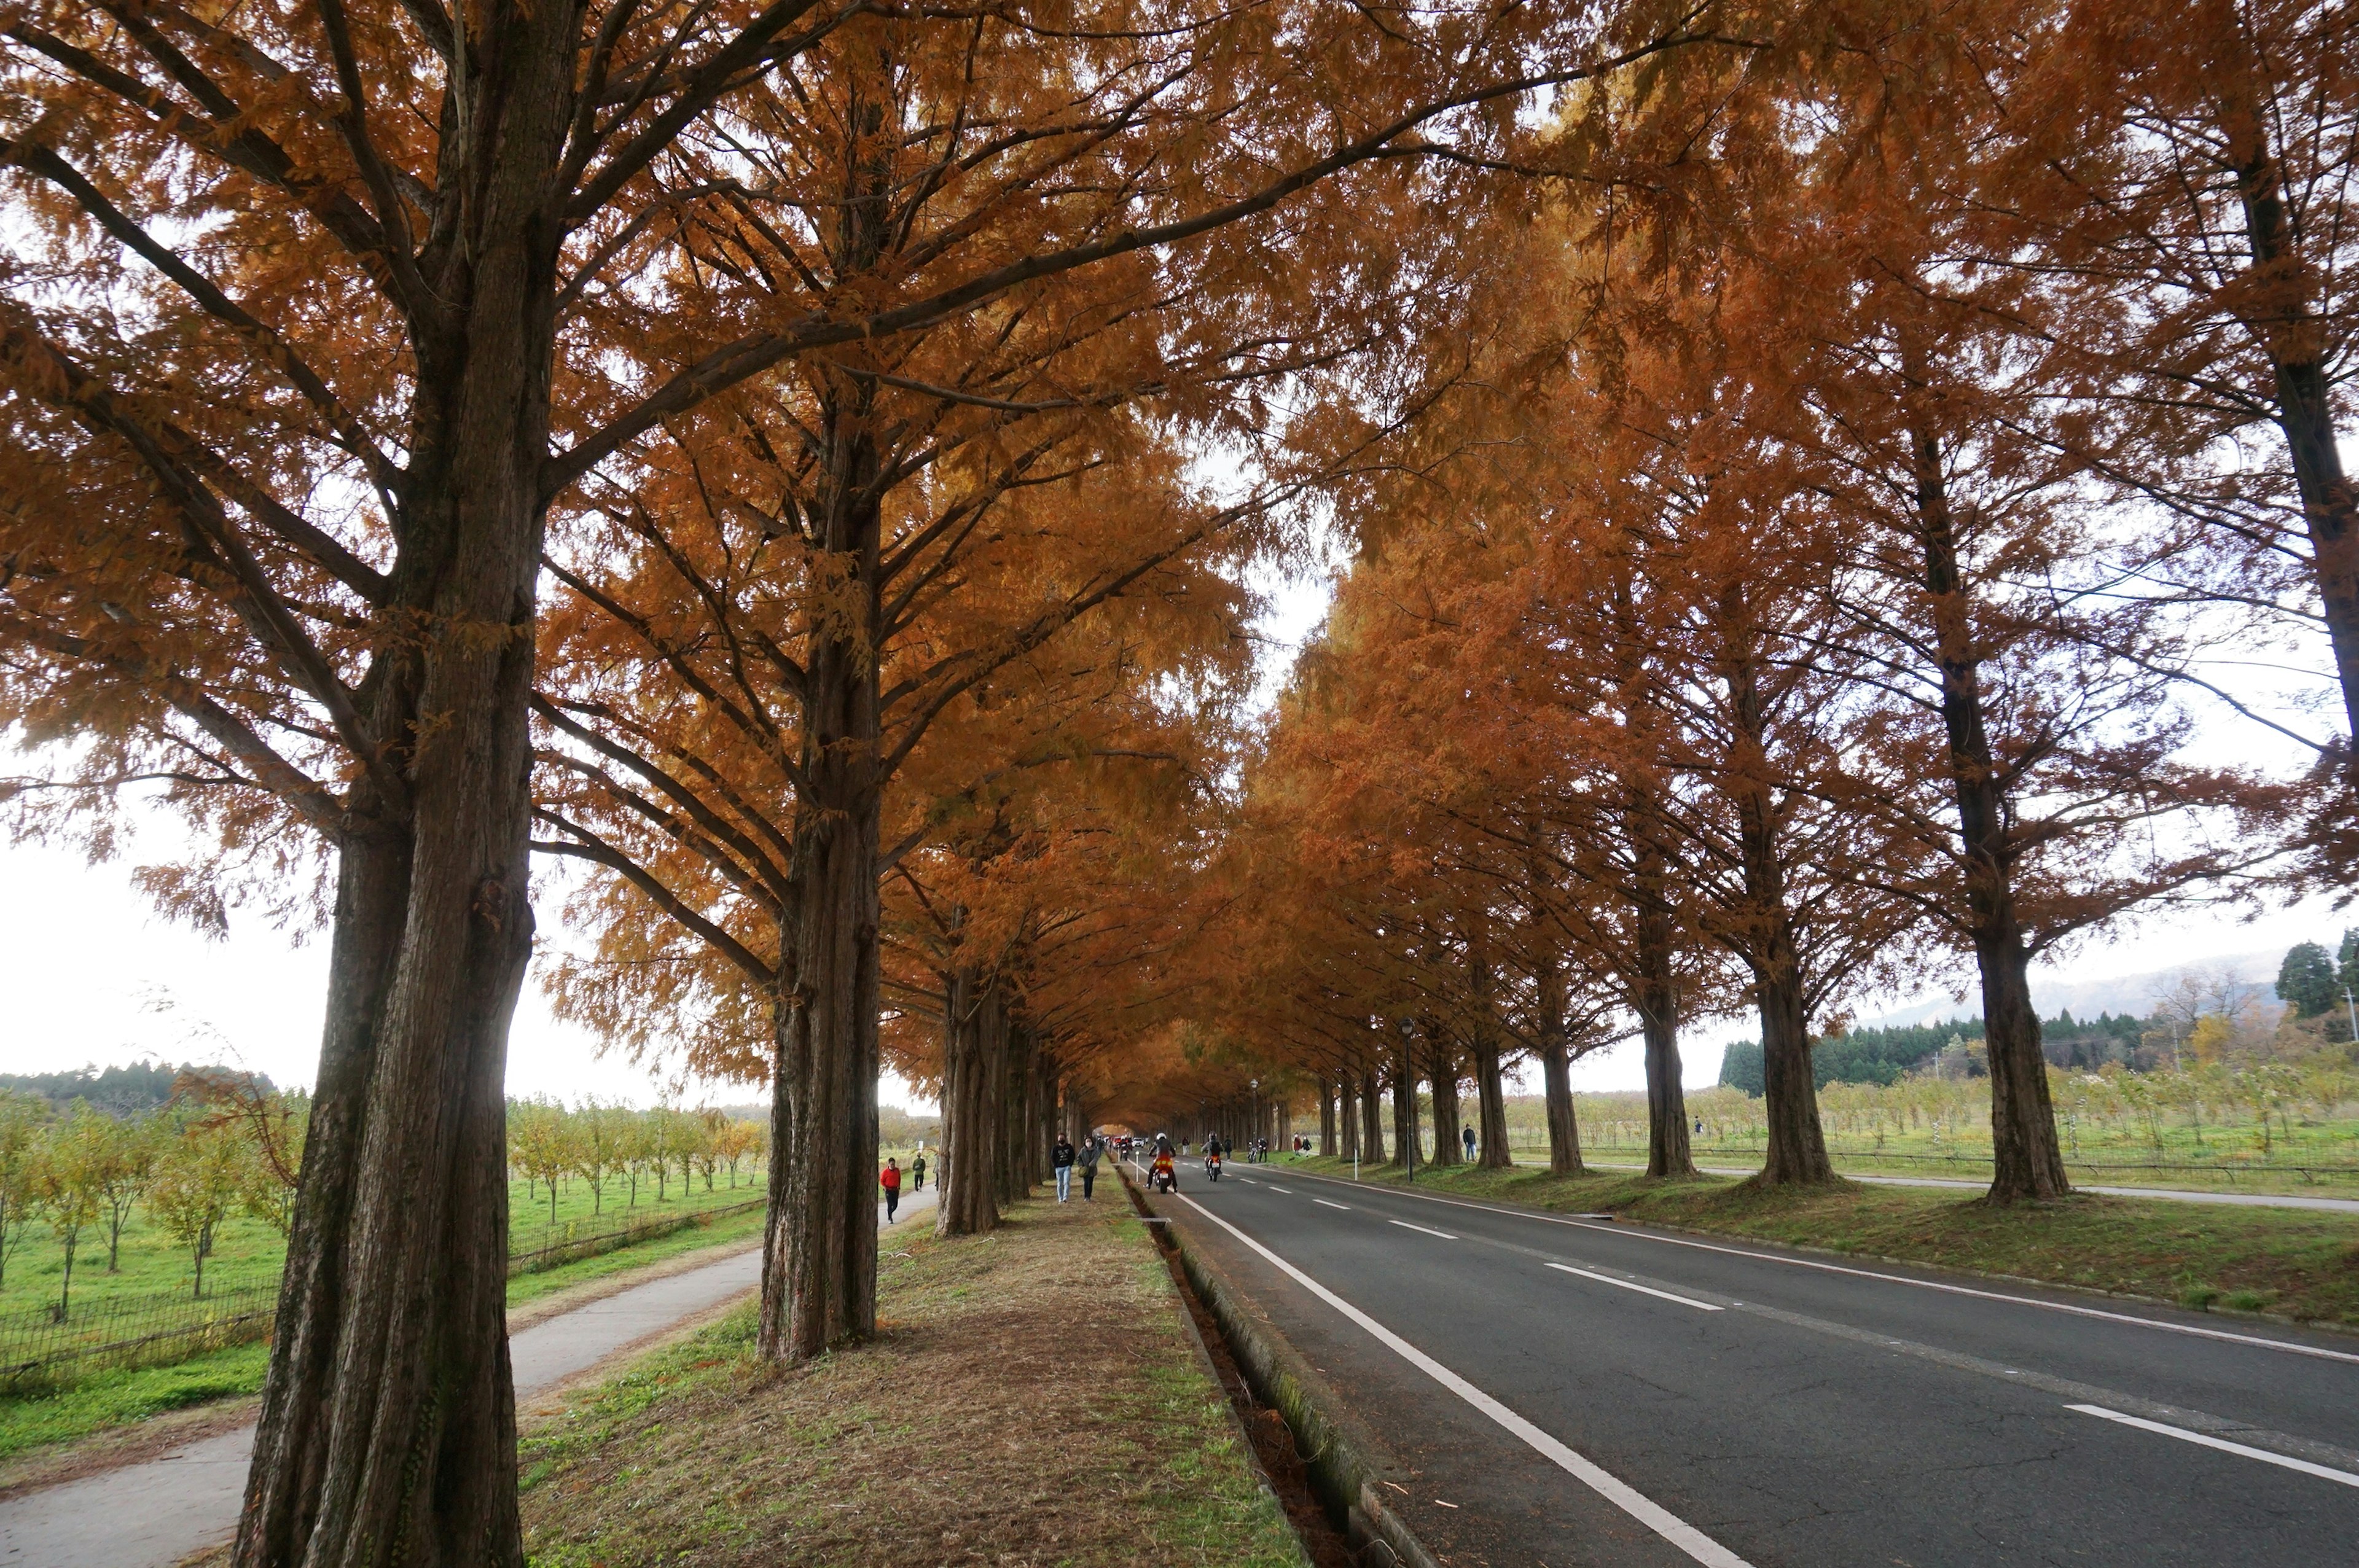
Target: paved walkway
x=153, y=1514
x=2168, y=1194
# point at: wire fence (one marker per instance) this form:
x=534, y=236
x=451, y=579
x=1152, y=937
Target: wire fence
x=38, y=1346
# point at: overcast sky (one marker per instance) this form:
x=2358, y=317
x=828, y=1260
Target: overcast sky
x=90, y=974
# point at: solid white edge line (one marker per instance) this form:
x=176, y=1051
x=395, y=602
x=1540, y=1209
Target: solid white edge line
x=1642, y=1289
x=2222, y=1443
x=2262, y=1341
x=1645, y=1509
x=1322, y=1203
x=1407, y=1226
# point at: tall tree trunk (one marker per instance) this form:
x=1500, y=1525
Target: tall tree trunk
x=1441, y=1071
x=2291, y=331
x=974, y=1074
x=1326, y=1116
x=1372, y=1118
x=821, y=1291
x=2028, y=1158
x=388, y=1429
x=1408, y=1149
x=1656, y=994
x=1798, y=1148
x=1556, y=1071
x=1490, y=1091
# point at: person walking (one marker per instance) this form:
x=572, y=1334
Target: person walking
x=890, y=1180
x=1091, y=1149
x=917, y=1174
x=1466, y=1136
x=1061, y=1158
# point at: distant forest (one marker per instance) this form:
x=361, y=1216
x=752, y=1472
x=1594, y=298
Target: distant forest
x=1882, y=1056
x=132, y=1090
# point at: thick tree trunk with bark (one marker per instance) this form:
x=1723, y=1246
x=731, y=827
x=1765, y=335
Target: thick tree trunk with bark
x=2028, y=1158
x=1656, y=1001
x=974, y=1074
x=1372, y=1118
x=819, y=1289
x=388, y=1429
x=1490, y=1092
x=1441, y=1071
x=1797, y=1147
x=1556, y=1071
x=1326, y=1116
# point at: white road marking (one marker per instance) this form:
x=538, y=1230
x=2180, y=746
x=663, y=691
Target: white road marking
x=1628, y=1498
x=1407, y=1226
x=2204, y=1440
x=1322, y=1203
x=1276, y=1188
x=1642, y=1289
x=2258, y=1341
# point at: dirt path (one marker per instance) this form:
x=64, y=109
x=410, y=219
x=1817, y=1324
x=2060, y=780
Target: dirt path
x=155, y=1513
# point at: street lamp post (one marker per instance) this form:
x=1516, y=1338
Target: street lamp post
x=1253, y=1139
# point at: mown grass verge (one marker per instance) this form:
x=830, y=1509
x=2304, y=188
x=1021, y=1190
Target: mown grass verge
x=122, y=1397
x=1032, y=1397
x=2290, y=1262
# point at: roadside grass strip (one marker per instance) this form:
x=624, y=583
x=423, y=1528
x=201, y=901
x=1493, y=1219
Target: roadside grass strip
x=2203, y=1440
x=1642, y=1289
x=1032, y=1399
x=2260, y=1341
x=1674, y=1530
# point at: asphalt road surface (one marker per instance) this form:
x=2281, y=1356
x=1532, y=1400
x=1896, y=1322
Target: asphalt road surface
x=153, y=1514
x=1582, y=1392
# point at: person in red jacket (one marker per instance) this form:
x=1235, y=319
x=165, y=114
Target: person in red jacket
x=890, y=1180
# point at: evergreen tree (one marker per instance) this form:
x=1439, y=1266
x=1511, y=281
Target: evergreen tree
x=2307, y=979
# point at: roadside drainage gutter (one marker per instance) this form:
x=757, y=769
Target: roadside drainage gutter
x=1342, y=1459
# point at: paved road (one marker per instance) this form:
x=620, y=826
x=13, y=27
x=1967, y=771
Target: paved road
x=151, y=1515
x=2169, y=1195
x=1579, y=1392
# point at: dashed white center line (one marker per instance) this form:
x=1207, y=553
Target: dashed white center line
x=1642, y=1289
x=1407, y=1226
x=1322, y=1203
x=1276, y=1188
x=2222, y=1443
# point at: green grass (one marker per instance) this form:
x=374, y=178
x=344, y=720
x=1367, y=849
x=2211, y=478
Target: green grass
x=248, y=1253
x=2293, y=1262
x=122, y=1396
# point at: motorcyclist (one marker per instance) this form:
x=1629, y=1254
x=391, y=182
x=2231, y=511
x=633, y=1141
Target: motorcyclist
x=1162, y=1174
x=1212, y=1150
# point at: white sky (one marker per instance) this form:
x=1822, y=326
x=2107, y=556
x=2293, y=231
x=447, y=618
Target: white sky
x=90, y=974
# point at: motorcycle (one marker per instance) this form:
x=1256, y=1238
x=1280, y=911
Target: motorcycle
x=1163, y=1181
x=1212, y=1167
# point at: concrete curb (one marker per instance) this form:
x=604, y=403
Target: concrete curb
x=1345, y=1460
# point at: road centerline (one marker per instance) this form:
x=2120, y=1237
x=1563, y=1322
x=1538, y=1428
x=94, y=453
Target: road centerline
x=1407, y=1226
x=1642, y=1289
x=2283, y=1460
x=1322, y=1203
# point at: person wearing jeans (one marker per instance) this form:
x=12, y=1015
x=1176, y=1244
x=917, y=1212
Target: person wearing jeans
x=1060, y=1159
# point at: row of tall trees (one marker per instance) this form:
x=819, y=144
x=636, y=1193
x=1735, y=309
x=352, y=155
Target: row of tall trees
x=604, y=1144
x=1814, y=565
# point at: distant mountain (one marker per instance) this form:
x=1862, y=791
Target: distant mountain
x=2086, y=997
x=131, y=1090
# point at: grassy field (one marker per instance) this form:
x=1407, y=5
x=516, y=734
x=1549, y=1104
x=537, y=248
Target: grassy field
x=1032, y=1399
x=120, y=1397
x=248, y=1252
x=2290, y=1262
